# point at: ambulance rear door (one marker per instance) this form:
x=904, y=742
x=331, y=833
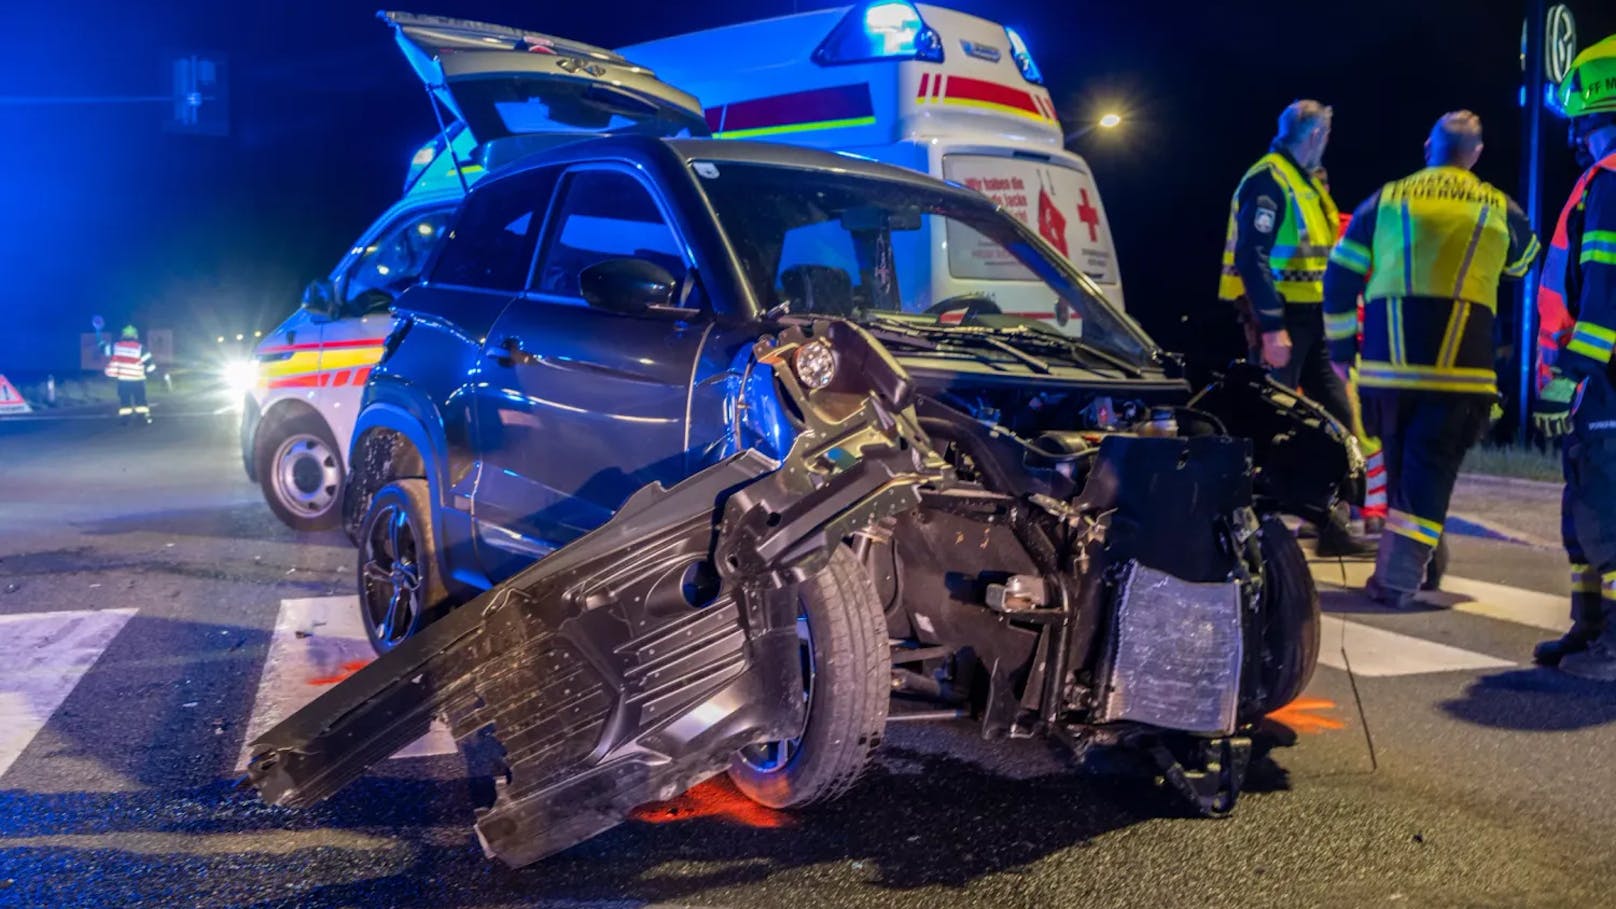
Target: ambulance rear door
x=1052, y=193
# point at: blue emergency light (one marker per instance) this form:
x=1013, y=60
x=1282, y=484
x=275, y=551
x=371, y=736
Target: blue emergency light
x=1018, y=52
x=882, y=30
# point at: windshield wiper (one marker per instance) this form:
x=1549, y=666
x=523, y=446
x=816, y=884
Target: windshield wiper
x=1088, y=347
x=1036, y=364
x=885, y=330
x=980, y=334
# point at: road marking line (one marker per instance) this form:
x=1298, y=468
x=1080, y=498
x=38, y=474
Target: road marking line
x=43, y=655
x=1456, y=522
x=317, y=642
x=1378, y=652
x=1509, y=604
x=1484, y=598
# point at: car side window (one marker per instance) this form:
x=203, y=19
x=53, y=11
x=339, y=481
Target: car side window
x=392, y=261
x=491, y=244
x=604, y=214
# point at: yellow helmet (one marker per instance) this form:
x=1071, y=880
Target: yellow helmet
x=1590, y=85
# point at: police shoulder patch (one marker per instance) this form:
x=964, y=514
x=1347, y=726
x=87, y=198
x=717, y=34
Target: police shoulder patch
x=1263, y=220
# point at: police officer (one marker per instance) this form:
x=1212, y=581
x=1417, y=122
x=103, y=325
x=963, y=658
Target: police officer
x=129, y=363
x=1577, y=329
x=1282, y=225
x=1436, y=244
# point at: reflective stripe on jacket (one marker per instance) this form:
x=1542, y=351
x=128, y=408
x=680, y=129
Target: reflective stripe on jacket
x=1302, y=243
x=130, y=362
x=1557, y=326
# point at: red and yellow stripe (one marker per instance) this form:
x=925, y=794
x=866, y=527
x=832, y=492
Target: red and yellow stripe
x=981, y=93
x=319, y=365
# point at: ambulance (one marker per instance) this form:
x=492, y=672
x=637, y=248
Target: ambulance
x=915, y=85
x=918, y=86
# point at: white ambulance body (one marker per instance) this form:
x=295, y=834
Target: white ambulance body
x=919, y=86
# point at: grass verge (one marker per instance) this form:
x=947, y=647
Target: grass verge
x=1517, y=463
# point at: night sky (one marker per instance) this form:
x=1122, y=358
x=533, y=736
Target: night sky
x=107, y=213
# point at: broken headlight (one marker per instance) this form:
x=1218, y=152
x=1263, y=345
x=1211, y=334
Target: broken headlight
x=815, y=364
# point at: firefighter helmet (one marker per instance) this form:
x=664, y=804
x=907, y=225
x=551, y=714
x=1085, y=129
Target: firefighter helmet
x=1590, y=85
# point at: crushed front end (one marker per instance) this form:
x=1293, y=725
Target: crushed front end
x=1097, y=585
x=633, y=663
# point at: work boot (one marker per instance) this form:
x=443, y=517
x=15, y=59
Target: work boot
x=1586, y=623
x=1336, y=539
x=1598, y=660
x=1399, y=568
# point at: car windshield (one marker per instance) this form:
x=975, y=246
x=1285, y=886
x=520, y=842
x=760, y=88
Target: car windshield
x=878, y=250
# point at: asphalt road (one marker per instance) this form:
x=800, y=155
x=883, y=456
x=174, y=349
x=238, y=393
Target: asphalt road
x=141, y=579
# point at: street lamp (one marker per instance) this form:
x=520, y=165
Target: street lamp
x=1108, y=121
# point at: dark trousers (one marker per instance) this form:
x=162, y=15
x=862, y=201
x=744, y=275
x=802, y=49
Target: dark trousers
x=1309, y=367
x=132, y=397
x=1588, y=506
x=1424, y=436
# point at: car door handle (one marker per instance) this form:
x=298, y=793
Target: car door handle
x=509, y=352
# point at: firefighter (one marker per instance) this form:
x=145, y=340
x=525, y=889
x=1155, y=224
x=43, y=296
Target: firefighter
x=130, y=362
x=1436, y=245
x=1282, y=225
x=1576, y=330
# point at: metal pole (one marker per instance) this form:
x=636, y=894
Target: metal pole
x=1537, y=13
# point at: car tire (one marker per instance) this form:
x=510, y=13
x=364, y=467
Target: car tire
x=1290, y=615
x=299, y=468
x=848, y=690
x=401, y=587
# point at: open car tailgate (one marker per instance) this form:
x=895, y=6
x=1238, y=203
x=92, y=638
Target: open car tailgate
x=504, y=82
x=630, y=665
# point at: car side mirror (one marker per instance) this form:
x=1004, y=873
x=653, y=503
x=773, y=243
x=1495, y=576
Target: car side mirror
x=320, y=297
x=627, y=286
x=373, y=300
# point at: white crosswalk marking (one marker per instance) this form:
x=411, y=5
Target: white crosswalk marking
x=1378, y=652
x=316, y=643
x=42, y=656
x=1484, y=598
x=1509, y=604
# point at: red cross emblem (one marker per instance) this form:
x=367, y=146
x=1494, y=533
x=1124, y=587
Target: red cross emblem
x=1051, y=223
x=1089, y=215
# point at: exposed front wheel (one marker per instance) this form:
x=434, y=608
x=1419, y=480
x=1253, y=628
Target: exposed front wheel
x=299, y=469
x=846, y=683
x=1290, y=616
x=400, y=587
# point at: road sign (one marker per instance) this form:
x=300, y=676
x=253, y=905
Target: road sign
x=11, y=399
x=1559, y=43
x=199, y=94
x=160, y=344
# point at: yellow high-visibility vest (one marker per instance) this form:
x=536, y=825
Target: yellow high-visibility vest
x=1440, y=232
x=1301, y=245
